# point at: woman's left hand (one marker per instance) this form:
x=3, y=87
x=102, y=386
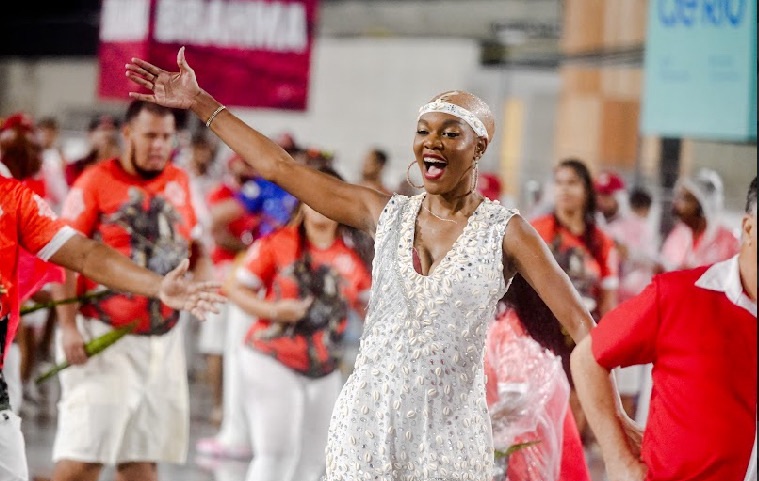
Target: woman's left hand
x=170, y=89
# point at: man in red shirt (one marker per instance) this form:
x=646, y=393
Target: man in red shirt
x=130, y=405
x=698, y=328
x=27, y=222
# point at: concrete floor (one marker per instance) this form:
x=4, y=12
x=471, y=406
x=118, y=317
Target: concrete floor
x=39, y=426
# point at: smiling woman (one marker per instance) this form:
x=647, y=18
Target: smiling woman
x=414, y=407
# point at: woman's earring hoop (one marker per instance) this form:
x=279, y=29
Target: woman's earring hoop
x=476, y=177
x=408, y=176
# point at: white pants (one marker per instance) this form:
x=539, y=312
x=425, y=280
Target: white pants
x=212, y=332
x=288, y=416
x=12, y=374
x=233, y=431
x=12, y=452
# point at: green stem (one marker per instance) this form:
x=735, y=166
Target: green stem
x=72, y=300
x=51, y=372
x=91, y=348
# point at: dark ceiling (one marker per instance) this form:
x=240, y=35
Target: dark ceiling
x=60, y=28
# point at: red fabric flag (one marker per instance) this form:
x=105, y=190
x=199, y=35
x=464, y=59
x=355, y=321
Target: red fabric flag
x=33, y=273
x=248, y=53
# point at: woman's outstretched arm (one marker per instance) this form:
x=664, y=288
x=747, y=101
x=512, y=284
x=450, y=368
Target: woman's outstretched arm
x=525, y=252
x=343, y=202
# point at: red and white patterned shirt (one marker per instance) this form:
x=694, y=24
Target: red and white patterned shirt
x=151, y=221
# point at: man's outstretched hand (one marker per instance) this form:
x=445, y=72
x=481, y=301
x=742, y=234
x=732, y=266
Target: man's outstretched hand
x=199, y=298
x=170, y=89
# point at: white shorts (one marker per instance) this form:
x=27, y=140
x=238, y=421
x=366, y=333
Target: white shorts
x=127, y=404
x=12, y=453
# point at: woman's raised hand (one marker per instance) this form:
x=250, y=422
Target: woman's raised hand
x=171, y=89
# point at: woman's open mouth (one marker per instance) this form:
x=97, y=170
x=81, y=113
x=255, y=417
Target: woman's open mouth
x=434, y=168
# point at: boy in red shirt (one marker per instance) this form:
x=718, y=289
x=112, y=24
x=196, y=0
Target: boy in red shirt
x=698, y=328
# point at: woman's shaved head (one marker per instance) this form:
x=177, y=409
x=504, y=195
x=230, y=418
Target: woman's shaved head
x=473, y=104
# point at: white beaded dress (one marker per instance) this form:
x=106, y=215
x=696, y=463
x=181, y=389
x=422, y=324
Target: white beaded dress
x=414, y=408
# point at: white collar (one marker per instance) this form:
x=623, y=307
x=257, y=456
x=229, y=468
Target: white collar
x=4, y=172
x=725, y=277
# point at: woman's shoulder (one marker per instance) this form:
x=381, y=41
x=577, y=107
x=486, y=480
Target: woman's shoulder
x=397, y=199
x=395, y=205
x=496, y=214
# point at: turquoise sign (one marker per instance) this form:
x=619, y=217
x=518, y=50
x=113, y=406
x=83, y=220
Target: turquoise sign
x=700, y=69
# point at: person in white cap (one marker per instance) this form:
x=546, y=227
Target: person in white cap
x=698, y=238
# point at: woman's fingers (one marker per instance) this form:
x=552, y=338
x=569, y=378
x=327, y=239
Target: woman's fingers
x=136, y=69
x=139, y=80
x=143, y=97
x=140, y=74
x=149, y=67
x=182, y=61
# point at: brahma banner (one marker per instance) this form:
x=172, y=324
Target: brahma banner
x=247, y=53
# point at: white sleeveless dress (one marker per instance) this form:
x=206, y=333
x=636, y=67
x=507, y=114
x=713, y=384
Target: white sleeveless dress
x=414, y=407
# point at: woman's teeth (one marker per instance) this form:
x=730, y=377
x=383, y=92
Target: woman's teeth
x=434, y=168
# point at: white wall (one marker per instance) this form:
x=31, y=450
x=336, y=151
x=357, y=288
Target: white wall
x=48, y=86
x=366, y=92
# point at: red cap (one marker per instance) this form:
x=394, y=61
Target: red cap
x=608, y=183
x=20, y=121
x=489, y=185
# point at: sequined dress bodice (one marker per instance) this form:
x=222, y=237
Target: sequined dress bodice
x=414, y=408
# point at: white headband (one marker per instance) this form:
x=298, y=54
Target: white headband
x=460, y=112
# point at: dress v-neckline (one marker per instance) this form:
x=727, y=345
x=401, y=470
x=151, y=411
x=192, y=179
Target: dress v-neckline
x=410, y=252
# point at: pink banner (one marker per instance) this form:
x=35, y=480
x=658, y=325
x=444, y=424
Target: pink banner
x=247, y=53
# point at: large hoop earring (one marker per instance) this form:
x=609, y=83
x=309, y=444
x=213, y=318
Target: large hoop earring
x=408, y=176
x=476, y=177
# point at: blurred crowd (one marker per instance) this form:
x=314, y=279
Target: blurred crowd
x=280, y=262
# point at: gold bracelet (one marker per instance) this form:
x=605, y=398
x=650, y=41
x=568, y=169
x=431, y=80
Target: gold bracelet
x=214, y=114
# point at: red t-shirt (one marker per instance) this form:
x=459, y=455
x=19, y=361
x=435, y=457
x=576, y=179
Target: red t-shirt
x=702, y=415
x=272, y=264
x=26, y=222
x=37, y=185
x=244, y=227
x=589, y=274
x=149, y=221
